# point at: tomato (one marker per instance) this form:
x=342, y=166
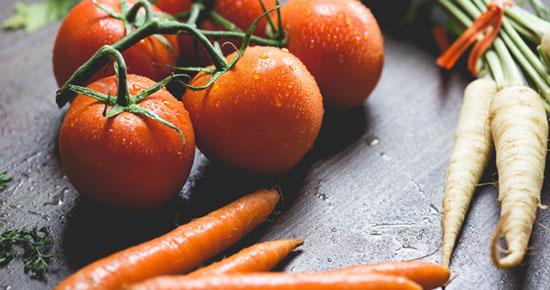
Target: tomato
x=126, y=161
x=340, y=43
x=262, y=116
x=242, y=13
x=87, y=28
x=174, y=7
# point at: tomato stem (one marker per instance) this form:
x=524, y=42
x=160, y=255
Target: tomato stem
x=194, y=12
x=132, y=12
x=217, y=18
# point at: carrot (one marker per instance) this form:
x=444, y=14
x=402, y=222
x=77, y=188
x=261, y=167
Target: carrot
x=520, y=132
x=471, y=151
x=257, y=258
x=280, y=281
x=179, y=250
x=428, y=275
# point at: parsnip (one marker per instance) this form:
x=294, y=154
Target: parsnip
x=520, y=132
x=471, y=152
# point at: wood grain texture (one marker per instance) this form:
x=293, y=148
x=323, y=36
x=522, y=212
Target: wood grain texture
x=370, y=190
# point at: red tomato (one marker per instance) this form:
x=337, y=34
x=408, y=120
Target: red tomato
x=127, y=161
x=174, y=7
x=87, y=28
x=262, y=116
x=242, y=13
x=340, y=43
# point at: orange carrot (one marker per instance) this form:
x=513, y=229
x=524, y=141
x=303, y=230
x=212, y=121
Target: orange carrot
x=179, y=250
x=428, y=275
x=257, y=258
x=280, y=281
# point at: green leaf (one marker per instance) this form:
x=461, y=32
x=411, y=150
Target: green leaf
x=32, y=17
x=155, y=88
x=142, y=111
x=4, y=180
x=115, y=110
x=107, y=10
x=90, y=93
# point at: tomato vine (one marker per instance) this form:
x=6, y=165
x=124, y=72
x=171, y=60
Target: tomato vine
x=154, y=24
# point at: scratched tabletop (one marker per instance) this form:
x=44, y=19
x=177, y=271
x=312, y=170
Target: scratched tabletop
x=369, y=191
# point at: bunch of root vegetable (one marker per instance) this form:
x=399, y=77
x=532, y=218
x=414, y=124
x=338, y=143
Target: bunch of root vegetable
x=504, y=108
x=167, y=261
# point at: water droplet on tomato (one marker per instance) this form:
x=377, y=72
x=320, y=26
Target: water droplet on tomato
x=256, y=76
x=278, y=102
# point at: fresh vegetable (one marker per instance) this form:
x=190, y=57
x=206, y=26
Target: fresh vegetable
x=471, y=152
x=88, y=27
x=257, y=258
x=520, y=132
x=174, y=7
x=261, y=116
x=280, y=281
x=119, y=155
x=427, y=275
x=4, y=179
x=340, y=43
x=36, y=244
x=179, y=250
x=31, y=17
x=518, y=120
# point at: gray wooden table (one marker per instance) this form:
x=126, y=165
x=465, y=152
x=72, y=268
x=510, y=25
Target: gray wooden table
x=370, y=190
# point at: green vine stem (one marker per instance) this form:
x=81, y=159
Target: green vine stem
x=194, y=13
x=132, y=12
x=121, y=72
x=218, y=19
x=240, y=35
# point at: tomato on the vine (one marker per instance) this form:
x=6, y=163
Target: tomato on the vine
x=340, y=43
x=174, y=7
x=129, y=160
x=87, y=28
x=263, y=116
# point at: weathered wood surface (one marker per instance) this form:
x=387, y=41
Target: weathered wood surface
x=370, y=190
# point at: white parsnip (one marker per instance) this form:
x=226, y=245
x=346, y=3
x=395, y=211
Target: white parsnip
x=520, y=132
x=469, y=158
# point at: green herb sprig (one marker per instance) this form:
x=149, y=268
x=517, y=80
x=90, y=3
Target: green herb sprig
x=36, y=244
x=4, y=180
x=32, y=17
